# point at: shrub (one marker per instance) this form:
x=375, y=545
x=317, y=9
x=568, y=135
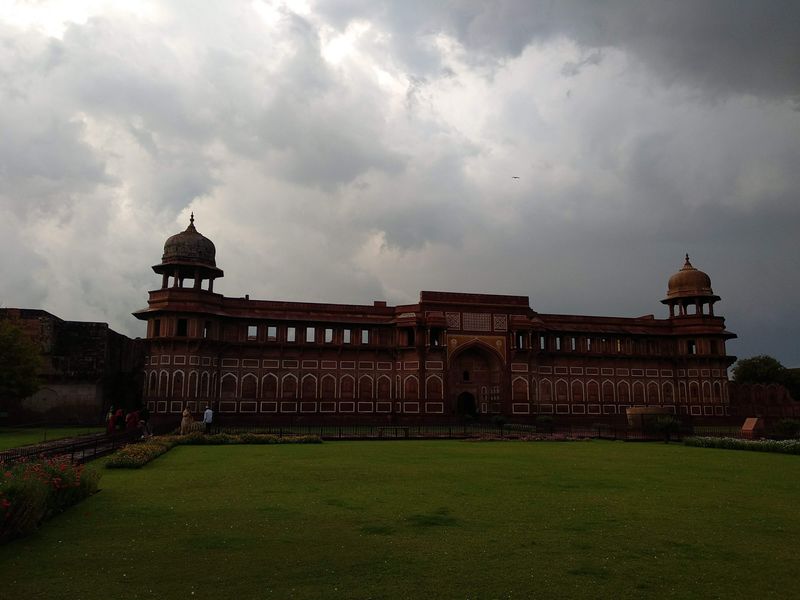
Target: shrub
x=666, y=425
x=544, y=423
x=787, y=428
x=780, y=446
x=31, y=492
x=498, y=421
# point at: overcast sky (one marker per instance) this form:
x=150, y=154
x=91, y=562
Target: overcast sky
x=352, y=150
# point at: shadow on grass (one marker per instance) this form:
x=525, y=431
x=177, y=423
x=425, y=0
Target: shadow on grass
x=377, y=529
x=439, y=518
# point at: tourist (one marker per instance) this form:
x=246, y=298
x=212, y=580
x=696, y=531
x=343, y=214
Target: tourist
x=208, y=418
x=186, y=421
x=132, y=420
x=144, y=415
x=110, y=422
x=119, y=420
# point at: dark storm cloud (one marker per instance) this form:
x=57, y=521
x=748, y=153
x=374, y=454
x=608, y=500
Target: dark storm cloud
x=720, y=46
x=381, y=166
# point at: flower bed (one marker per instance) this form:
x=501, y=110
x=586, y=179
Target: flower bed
x=781, y=446
x=33, y=491
x=135, y=456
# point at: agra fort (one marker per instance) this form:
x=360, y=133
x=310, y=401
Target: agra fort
x=445, y=357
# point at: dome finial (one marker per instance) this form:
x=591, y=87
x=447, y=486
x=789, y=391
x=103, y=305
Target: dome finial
x=191, y=222
x=687, y=264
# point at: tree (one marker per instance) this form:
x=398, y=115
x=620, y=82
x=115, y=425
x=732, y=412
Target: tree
x=766, y=369
x=19, y=365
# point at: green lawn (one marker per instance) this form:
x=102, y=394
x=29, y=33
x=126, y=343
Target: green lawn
x=442, y=519
x=24, y=436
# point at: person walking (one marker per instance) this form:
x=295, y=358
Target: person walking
x=144, y=415
x=208, y=418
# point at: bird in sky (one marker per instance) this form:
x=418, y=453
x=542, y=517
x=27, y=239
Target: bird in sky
x=515, y=177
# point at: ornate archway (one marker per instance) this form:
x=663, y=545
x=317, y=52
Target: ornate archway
x=475, y=373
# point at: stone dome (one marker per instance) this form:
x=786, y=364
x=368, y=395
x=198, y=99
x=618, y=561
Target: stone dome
x=189, y=247
x=689, y=282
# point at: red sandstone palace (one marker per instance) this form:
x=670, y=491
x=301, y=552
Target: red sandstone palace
x=447, y=356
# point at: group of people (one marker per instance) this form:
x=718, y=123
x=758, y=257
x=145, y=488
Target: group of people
x=118, y=420
x=187, y=420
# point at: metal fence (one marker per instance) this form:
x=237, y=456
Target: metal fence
x=455, y=431
x=80, y=449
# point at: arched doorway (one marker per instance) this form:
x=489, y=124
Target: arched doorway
x=466, y=405
x=475, y=381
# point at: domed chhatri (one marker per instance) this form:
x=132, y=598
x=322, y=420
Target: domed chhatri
x=189, y=255
x=689, y=291
x=689, y=282
x=189, y=246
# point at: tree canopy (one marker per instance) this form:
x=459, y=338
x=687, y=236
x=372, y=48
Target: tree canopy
x=766, y=369
x=19, y=364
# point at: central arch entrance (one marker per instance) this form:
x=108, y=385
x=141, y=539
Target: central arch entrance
x=475, y=379
x=466, y=405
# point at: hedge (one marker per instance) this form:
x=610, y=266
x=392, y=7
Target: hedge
x=135, y=456
x=781, y=446
x=33, y=491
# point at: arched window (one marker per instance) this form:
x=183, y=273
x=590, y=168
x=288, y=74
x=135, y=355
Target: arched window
x=309, y=387
x=228, y=389
x=638, y=392
x=519, y=390
x=411, y=388
x=433, y=388
x=593, y=392
x=577, y=391
x=347, y=388
x=623, y=392
x=205, y=384
x=706, y=391
x=249, y=386
x=546, y=391
x=163, y=384
x=608, y=392
x=191, y=389
x=289, y=387
x=561, y=391
x=652, y=393
x=177, y=384
x=384, y=388
x=328, y=387
x=669, y=393
x=365, y=388
x=269, y=386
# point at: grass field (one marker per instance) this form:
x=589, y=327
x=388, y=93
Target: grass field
x=14, y=437
x=426, y=520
